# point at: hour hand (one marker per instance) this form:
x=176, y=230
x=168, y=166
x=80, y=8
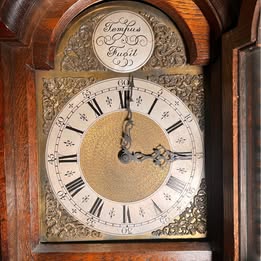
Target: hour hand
x=125, y=156
x=160, y=156
x=126, y=136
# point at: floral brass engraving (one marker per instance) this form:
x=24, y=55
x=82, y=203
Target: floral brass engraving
x=193, y=220
x=60, y=225
x=78, y=54
x=56, y=92
x=169, y=49
x=189, y=88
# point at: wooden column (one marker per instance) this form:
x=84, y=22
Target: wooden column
x=233, y=41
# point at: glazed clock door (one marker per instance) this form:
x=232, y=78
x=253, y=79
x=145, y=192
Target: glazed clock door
x=121, y=130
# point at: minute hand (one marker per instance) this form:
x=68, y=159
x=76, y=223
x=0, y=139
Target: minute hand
x=128, y=122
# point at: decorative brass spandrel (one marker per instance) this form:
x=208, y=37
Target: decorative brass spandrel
x=169, y=48
x=78, y=54
x=189, y=88
x=59, y=225
x=56, y=92
x=192, y=221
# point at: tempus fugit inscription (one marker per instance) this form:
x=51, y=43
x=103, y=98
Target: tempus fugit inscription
x=123, y=41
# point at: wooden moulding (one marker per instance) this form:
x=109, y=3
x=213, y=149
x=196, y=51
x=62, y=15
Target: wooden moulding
x=128, y=251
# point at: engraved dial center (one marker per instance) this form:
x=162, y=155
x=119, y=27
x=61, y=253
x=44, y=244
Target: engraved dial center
x=103, y=170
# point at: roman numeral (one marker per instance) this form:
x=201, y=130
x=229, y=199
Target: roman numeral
x=126, y=214
x=157, y=209
x=176, y=184
x=174, y=126
x=153, y=105
x=95, y=107
x=74, y=129
x=68, y=158
x=124, y=98
x=75, y=186
x=97, y=207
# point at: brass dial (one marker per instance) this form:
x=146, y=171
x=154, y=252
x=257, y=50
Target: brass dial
x=106, y=174
x=124, y=199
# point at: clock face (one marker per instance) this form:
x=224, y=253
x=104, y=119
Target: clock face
x=124, y=198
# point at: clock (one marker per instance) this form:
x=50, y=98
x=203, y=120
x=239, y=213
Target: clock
x=125, y=175
x=121, y=131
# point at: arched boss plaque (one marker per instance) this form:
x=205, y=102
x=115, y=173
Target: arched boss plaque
x=123, y=41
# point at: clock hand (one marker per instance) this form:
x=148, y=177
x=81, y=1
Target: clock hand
x=160, y=156
x=126, y=136
x=125, y=156
x=128, y=122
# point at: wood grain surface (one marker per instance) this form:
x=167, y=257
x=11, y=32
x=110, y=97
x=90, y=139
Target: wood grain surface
x=29, y=34
x=242, y=36
x=126, y=251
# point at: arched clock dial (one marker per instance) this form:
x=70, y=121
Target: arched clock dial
x=90, y=179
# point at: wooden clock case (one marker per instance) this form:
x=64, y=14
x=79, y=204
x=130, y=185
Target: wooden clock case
x=29, y=34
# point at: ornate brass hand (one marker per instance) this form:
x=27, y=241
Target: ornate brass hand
x=128, y=122
x=160, y=156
